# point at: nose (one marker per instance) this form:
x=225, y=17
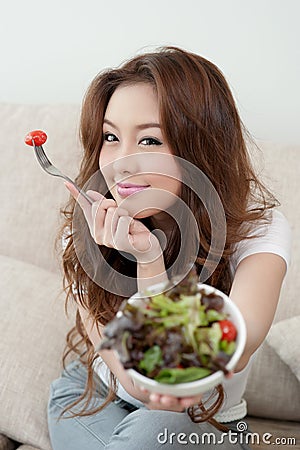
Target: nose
x=126, y=163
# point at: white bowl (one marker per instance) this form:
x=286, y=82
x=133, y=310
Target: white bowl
x=209, y=382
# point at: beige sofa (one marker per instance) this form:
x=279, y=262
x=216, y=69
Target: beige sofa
x=32, y=320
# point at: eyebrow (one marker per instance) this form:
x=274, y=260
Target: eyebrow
x=141, y=126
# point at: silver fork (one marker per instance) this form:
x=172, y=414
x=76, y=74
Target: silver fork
x=52, y=170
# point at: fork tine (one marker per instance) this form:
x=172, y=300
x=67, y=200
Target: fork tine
x=44, y=159
x=42, y=155
x=41, y=161
x=37, y=154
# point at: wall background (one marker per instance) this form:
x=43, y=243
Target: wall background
x=51, y=50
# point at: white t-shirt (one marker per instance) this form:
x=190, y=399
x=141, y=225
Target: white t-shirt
x=275, y=238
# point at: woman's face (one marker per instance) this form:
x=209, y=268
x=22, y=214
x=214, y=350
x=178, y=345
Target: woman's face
x=137, y=164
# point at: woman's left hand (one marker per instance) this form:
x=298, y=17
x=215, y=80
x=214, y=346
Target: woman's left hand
x=169, y=402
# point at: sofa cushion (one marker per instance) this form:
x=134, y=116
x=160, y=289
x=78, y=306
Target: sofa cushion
x=33, y=328
x=273, y=391
x=288, y=348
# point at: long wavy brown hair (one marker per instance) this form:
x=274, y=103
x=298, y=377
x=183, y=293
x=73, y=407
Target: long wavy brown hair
x=201, y=124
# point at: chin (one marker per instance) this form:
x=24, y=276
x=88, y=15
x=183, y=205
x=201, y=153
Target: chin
x=145, y=213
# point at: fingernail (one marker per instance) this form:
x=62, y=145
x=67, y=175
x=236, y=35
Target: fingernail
x=185, y=404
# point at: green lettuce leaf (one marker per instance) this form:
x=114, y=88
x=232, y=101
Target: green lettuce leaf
x=175, y=376
x=228, y=347
x=214, y=337
x=152, y=358
x=213, y=315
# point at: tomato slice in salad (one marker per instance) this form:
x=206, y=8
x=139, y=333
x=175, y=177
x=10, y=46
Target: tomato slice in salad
x=228, y=330
x=39, y=137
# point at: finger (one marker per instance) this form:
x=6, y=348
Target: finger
x=143, y=389
x=162, y=238
x=229, y=375
x=98, y=220
x=108, y=203
x=95, y=195
x=168, y=401
x=109, y=227
x=83, y=203
x=122, y=238
x=111, y=221
x=189, y=401
x=137, y=227
x=99, y=209
x=155, y=398
x=75, y=193
x=103, y=201
x=148, y=242
x=101, y=226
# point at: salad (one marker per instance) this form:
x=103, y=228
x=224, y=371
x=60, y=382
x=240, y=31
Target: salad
x=177, y=336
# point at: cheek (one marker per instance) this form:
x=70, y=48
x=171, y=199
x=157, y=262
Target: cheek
x=161, y=163
x=171, y=183
x=105, y=166
x=103, y=160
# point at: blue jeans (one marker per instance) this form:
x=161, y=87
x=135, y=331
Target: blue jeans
x=120, y=425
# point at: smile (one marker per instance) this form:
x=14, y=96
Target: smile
x=126, y=189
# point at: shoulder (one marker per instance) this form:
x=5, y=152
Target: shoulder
x=273, y=236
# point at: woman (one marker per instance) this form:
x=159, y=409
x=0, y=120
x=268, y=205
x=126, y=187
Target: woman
x=160, y=132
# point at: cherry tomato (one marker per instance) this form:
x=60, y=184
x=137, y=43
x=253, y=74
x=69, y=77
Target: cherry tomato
x=38, y=136
x=228, y=330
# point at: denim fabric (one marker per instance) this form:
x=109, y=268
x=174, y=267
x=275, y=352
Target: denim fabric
x=120, y=425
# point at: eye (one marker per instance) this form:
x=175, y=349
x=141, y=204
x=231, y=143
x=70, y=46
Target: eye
x=150, y=141
x=110, y=137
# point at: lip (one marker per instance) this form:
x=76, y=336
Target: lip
x=126, y=189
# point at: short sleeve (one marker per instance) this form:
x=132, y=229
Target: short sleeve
x=274, y=237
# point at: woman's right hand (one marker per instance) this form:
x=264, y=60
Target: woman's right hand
x=112, y=226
